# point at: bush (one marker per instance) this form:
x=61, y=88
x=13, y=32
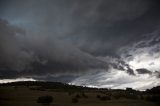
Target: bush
x=131, y=96
x=98, y=96
x=103, y=98
x=84, y=95
x=154, y=98
x=142, y=97
x=45, y=100
x=75, y=100
x=70, y=93
x=118, y=95
x=77, y=96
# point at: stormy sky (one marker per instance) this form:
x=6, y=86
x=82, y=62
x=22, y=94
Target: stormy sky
x=96, y=43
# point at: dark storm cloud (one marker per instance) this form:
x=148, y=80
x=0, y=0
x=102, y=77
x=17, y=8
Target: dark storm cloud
x=118, y=64
x=90, y=25
x=10, y=48
x=17, y=59
x=12, y=57
x=49, y=36
x=143, y=71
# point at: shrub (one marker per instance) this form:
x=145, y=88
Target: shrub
x=103, y=98
x=45, y=100
x=75, y=100
x=142, y=97
x=131, y=96
x=69, y=93
x=84, y=95
x=118, y=95
x=77, y=96
x=154, y=98
x=98, y=96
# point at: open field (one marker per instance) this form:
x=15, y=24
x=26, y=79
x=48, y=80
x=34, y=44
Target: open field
x=27, y=96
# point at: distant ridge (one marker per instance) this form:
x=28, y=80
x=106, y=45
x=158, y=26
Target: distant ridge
x=59, y=85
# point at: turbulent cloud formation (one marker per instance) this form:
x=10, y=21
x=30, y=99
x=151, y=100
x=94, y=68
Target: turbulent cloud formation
x=117, y=79
x=48, y=57
x=144, y=53
x=69, y=40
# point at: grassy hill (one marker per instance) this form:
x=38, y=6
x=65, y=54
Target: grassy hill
x=28, y=93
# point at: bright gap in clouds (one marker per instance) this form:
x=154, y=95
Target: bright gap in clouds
x=16, y=80
x=147, y=61
x=117, y=79
x=144, y=54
